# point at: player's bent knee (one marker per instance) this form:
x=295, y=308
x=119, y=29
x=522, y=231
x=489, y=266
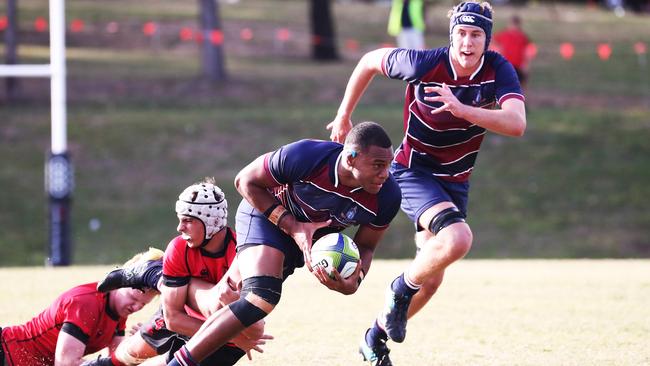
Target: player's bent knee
x=259, y=296
x=460, y=242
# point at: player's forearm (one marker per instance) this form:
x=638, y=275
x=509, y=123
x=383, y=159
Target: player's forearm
x=509, y=122
x=182, y=323
x=364, y=72
x=366, y=255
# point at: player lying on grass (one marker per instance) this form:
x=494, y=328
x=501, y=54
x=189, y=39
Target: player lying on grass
x=79, y=322
x=197, y=276
x=292, y=196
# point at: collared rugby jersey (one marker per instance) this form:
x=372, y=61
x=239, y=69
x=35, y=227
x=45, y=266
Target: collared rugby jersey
x=442, y=144
x=86, y=315
x=181, y=263
x=308, y=186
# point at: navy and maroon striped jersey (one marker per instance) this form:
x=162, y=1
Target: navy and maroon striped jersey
x=442, y=144
x=308, y=185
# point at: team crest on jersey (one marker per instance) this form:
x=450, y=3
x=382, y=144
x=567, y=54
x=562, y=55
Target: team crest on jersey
x=204, y=272
x=467, y=19
x=351, y=213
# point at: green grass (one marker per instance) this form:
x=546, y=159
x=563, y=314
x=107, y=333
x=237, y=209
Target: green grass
x=488, y=312
x=142, y=125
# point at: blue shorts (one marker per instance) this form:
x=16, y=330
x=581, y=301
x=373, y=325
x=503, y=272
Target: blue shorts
x=421, y=191
x=253, y=228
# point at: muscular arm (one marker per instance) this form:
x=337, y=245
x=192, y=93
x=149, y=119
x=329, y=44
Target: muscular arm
x=510, y=120
x=176, y=319
x=252, y=183
x=367, y=240
x=207, y=298
x=369, y=66
x=69, y=350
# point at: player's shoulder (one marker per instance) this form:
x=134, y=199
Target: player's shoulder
x=86, y=294
x=494, y=58
x=423, y=57
x=310, y=150
x=232, y=236
x=177, y=246
x=309, y=145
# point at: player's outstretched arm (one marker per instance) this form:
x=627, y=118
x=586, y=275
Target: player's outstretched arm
x=364, y=72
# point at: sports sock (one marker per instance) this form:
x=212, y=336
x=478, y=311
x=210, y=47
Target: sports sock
x=401, y=285
x=182, y=357
x=375, y=334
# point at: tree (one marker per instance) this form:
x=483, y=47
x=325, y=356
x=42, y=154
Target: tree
x=322, y=28
x=213, y=55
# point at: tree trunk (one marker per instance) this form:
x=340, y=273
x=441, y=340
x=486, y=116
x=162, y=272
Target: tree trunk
x=213, y=54
x=322, y=28
x=11, y=40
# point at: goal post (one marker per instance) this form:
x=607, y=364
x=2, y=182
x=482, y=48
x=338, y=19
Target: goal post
x=59, y=175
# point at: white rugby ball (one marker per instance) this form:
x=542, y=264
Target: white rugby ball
x=335, y=250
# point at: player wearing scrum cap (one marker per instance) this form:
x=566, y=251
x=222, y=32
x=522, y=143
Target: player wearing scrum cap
x=451, y=101
x=197, y=275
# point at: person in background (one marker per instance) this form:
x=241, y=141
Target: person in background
x=514, y=45
x=406, y=23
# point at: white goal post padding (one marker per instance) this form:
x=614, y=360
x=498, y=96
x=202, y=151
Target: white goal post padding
x=55, y=70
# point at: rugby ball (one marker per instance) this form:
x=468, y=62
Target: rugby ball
x=335, y=250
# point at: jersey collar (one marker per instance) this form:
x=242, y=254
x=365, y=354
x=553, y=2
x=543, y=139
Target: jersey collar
x=336, y=173
x=113, y=315
x=453, y=71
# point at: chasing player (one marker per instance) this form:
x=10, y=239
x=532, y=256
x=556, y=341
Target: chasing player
x=451, y=97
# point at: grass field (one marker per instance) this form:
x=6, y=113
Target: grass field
x=488, y=312
x=142, y=125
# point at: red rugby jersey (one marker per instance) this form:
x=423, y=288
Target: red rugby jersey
x=34, y=343
x=181, y=263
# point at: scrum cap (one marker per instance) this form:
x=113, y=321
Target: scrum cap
x=206, y=202
x=474, y=14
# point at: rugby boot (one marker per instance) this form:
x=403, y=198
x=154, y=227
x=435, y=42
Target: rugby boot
x=377, y=355
x=394, y=316
x=140, y=274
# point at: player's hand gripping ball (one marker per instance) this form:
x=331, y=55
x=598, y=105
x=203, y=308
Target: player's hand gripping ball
x=335, y=250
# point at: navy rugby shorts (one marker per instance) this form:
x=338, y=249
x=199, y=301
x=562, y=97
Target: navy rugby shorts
x=253, y=229
x=421, y=191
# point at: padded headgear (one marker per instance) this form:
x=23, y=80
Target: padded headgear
x=206, y=202
x=474, y=14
